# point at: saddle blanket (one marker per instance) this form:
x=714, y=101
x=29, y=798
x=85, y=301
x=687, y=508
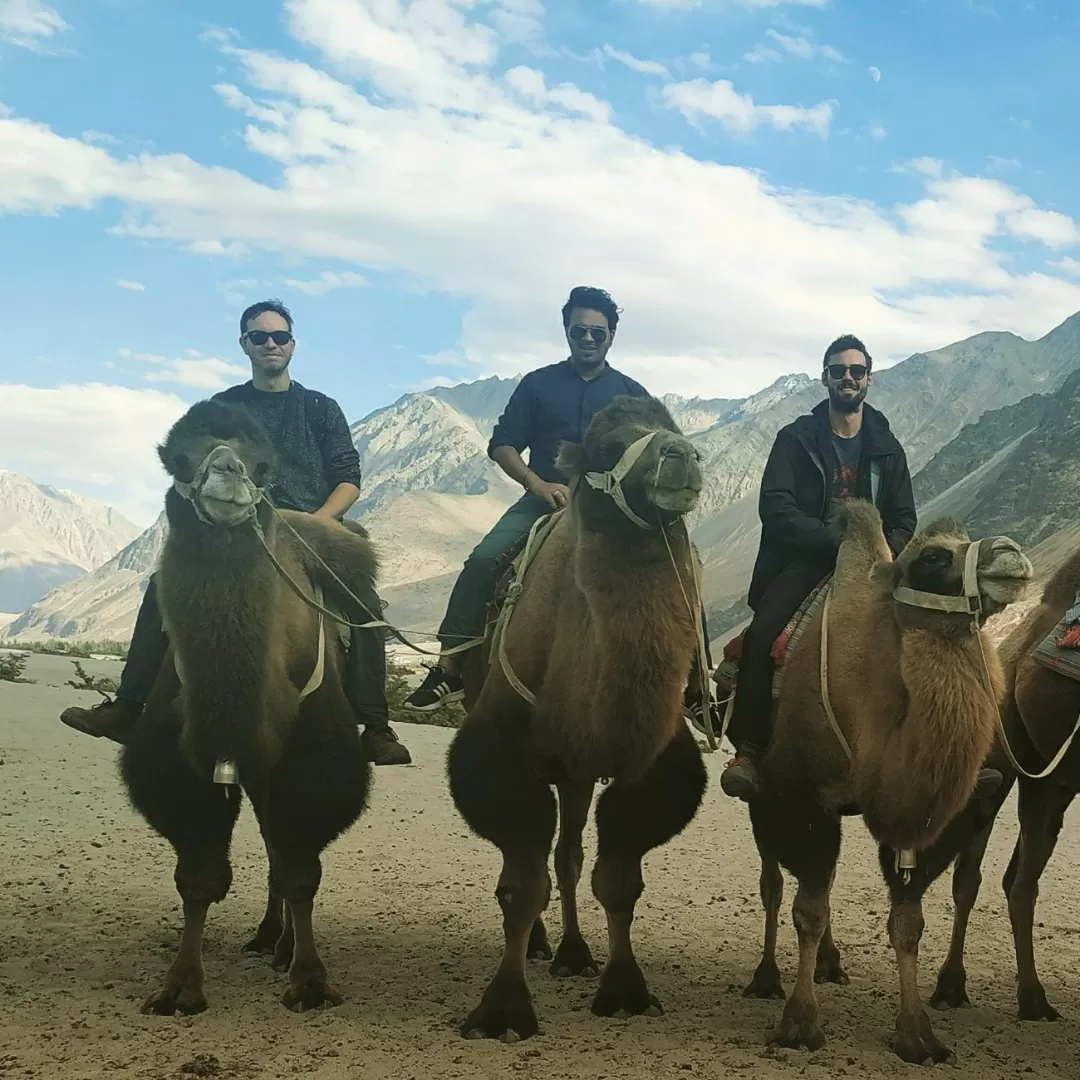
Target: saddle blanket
x=782, y=647
x=1059, y=650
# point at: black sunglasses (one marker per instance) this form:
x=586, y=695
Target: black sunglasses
x=836, y=371
x=597, y=333
x=259, y=337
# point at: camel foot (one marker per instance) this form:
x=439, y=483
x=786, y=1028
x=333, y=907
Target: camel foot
x=829, y=969
x=265, y=939
x=505, y=1012
x=623, y=992
x=574, y=958
x=180, y=995
x=766, y=983
x=951, y=990
x=1032, y=1005
x=308, y=992
x=917, y=1044
x=799, y=1027
x=539, y=947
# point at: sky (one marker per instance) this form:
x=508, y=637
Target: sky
x=423, y=183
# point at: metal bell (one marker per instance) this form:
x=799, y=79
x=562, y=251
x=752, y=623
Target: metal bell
x=226, y=772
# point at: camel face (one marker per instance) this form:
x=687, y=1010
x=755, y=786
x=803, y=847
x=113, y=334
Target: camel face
x=670, y=474
x=222, y=458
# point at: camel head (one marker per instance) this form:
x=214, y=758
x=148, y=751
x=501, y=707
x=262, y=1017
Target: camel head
x=220, y=459
x=942, y=562
x=633, y=450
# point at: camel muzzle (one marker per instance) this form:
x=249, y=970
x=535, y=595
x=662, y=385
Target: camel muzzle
x=221, y=492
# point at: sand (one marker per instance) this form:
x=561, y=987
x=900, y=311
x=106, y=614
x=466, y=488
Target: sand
x=408, y=926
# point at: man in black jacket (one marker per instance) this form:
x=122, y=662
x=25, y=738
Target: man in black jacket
x=318, y=473
x=842, y=449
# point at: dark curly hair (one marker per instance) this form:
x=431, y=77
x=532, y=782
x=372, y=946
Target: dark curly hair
x=843, y=344
x=589, y=299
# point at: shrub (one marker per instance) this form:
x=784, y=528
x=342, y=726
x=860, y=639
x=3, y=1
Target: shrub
x=12, y=666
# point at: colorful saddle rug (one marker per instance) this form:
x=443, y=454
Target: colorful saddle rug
x=783, y=646
x=1060, y=649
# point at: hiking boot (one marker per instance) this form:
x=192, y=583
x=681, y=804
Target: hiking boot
x=381, y=746
x=741, y=779
x=111, y=719
x=439, y=688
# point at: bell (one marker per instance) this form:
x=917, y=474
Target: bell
x=226, y=772
x=906, y=860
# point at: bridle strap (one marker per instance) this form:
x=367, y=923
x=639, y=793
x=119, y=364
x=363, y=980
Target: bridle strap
x=968, y=604
x=191, y=491
x=610, y=483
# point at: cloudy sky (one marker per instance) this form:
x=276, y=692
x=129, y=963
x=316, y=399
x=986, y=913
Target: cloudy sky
x=423, y=182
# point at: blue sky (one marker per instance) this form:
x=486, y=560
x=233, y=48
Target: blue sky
x=423, y=183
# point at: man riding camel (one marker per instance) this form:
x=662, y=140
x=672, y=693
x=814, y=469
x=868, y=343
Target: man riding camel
x=319, y=474
x=842, y=449
x=549, y=405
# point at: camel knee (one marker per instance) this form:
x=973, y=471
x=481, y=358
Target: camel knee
x=906, y=926
x=296, y=881
x=524, y=896
x=204, y=876
x=617, y=885
x=810, y=914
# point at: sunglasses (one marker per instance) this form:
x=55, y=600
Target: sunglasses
x=578, y=332
x=260, y=337
x=836, y=371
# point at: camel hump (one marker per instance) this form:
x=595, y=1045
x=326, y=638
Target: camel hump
x=858, y=518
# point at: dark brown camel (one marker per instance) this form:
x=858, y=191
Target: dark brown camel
x=907, y=687
x=604, y=638
x=246, y=647
x=1040, y=714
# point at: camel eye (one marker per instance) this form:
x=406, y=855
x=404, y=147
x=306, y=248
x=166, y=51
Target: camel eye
x=936, y=557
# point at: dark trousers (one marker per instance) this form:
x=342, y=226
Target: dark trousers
x=365, y=668
x=751, y=719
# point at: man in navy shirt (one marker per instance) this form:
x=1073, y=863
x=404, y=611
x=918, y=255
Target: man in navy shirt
x=549, y=405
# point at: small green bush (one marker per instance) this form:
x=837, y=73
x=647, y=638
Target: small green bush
x=102, y=684
x=12, y=666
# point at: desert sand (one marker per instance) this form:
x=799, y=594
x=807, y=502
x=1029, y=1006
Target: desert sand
x=409, y=928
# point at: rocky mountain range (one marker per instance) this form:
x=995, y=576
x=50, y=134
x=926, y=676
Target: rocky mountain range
x=983, y=422
x=49, y=536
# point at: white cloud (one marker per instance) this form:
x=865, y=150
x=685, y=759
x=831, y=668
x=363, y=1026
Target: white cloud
x=753, y=4
x=29, y=23
x=418, y=158
x=326, y=282
x=193, y=370
x=877, y=133
x=134, y=286
x=875, y=73
x=643, y=67
x=737, y=112
x=97, y=438
x=762, y=54
x=804, y=48
x=1069, y=265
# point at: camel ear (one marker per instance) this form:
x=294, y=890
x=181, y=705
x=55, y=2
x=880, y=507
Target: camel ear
x=569, y=459
x=885, y=575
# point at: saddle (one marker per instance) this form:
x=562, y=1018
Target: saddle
x=1060, y=649
x=784, y=645
x=510, y=567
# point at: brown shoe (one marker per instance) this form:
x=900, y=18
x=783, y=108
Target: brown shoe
x=741, y=779
x=111, y=719
x=382, y=747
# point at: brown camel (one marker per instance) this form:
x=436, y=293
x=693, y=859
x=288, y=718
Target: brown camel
x=907, y=687
x=239, y=697
x=604, y=637
x=1039, y=717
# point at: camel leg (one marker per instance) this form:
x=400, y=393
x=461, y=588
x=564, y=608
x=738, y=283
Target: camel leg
x=766, y=982
x=829, y=968
x=951, y=989
x=270, y=928
x=315, y=792
x=806, y=841
x=1042, y=811
x=504, y=801
x=197, y=817
x=539, y=948
x=573, y=956
x=632, y=819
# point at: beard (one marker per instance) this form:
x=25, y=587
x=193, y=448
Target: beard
x=846, y=403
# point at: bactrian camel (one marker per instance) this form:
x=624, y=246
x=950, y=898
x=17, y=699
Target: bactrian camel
x=914, y=692
x=1042, y=707
x=603, y=638
x=234, y=697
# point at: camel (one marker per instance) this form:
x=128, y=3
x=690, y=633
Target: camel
x=908, y=687
x=603, y=638
x=238, y=705
x=1039, y=719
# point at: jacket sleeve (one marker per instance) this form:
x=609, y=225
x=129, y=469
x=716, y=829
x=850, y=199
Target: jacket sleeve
x=781, y=518
x=340, y=456
x=898, y=517
x=514, y=427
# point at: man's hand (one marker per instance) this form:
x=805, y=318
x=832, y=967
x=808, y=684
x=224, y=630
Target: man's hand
x=555, y=495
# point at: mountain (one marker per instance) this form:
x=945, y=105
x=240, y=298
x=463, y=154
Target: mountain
x=49, y=536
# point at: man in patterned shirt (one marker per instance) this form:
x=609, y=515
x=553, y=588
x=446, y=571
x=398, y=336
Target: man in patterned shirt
x=318, y=473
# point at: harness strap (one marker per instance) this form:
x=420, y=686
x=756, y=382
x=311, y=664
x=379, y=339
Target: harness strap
x=610, y=483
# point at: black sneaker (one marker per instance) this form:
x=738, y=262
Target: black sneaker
x=439, y=688
x=694, y=711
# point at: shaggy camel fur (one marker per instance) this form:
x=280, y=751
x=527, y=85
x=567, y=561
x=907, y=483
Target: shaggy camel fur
x=604, y=638
x=1041, y=708
x=245, y=645
x=906, y=685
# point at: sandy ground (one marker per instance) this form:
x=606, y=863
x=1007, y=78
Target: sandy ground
x=407, y=921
